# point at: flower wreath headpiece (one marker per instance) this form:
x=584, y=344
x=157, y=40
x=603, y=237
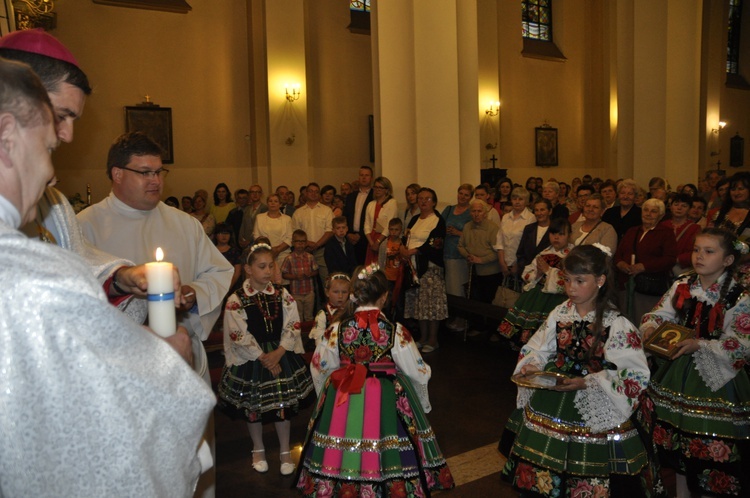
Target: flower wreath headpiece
x=740, y=246
x=368, y=271
x=262, y=245
x=606, y=250
x=340, y=276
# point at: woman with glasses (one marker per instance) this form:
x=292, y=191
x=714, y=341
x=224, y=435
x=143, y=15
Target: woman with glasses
x=381, y=209
x=200, y=213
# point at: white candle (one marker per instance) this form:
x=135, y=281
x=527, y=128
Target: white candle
x=161, y=311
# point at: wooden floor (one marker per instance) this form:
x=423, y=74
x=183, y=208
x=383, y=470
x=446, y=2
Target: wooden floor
x=471, y=395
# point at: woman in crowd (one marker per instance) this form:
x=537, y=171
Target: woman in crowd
x=502, y=195
x=423, y=246
x=225, y=244
x=575, y=439
x=719, y=199
x=684, y=231
x=627, y=214
x=511, y=230
x=689, y=189
x=591, y=228
x=412, y=209
x=327, y=193
x=698, y=405
x=456, y=266
x=657, y=188
x=551, y=192
x=535, y=236
x=543, y=286
x=734, y=215
x=381, y=209
x=531, y=188
x=649, y=250
x=200, y=212
x=277, y=227
x=222, y=203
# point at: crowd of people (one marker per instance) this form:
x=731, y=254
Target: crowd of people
x=598, y=266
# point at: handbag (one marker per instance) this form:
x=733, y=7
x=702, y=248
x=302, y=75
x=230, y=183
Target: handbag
x=652, y=284
x=411, y=279
x=508, y=293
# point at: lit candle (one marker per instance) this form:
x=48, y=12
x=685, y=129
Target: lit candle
x=161, y=311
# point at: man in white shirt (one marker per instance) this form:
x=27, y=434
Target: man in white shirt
x=316, y=220
x=355, y=209
x=88, y=397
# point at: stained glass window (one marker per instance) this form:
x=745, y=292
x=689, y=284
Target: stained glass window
x=361, y=5
x=536, y=19
x=733, y=44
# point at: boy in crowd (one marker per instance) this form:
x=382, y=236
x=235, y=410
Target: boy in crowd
x=339, y=252
x=300, y=269
x=389, y=259
x=697, y=212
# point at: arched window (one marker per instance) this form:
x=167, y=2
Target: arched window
x=536, y=19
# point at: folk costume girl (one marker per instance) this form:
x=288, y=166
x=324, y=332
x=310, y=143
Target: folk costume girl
x=368, y=435
x=576, y=438
x=543, y=289
x=337, y=292
x=698, y=405
x=264, y=378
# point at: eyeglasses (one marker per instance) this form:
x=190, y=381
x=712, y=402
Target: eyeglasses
x=256, y=192
x=161, y=172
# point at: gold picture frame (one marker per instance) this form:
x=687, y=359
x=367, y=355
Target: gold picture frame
x=664, y=338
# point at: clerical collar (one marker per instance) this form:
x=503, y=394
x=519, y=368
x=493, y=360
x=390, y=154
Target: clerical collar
x=9, y=213
x=121, y=206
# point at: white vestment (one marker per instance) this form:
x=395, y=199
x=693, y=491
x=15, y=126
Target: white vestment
x=113, y=226
x=91, y=403
x=57, y=216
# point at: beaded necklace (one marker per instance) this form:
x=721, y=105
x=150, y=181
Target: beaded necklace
x=265, y=309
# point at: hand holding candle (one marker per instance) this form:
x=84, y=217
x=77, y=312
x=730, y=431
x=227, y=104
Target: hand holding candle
x=161, y=312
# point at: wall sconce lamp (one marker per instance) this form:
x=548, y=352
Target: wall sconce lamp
x=717, y=131
x=292, y=93
x=494, y=109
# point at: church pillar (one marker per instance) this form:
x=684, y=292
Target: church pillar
x=426, y=95
x=658, y=82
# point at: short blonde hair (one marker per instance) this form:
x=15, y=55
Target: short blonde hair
x=658, y=204
x=520, y=193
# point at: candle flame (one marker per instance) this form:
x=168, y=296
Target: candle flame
x=159, y=254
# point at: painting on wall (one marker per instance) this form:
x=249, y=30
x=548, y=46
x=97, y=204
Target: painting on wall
x=546, y=145
x=154, y=121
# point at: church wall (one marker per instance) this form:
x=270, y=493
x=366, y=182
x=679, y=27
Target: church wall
x=195, y=63
x=534, y=91
x=339, y=71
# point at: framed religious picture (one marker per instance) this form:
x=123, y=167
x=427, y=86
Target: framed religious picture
x=546, y=146
x=154, y=121
x=662, y=341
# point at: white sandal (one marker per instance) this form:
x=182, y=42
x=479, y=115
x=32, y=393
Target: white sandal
x=286, y=468
x=261, y=466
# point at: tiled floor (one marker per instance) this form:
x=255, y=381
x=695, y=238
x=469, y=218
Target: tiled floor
x=471, y=395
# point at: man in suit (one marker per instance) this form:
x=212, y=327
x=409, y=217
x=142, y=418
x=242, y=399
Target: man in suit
x=354, y=210
x=535, y=237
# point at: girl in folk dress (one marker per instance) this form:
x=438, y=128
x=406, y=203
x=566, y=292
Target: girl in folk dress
x=543, y=289
x=264, y=378
x=698, y=405
x=337, y=292
x=576, y=438
x=368, y=435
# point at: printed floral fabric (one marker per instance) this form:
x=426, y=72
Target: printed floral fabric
x=240, y=345
x=724, y=351
x=618, y=365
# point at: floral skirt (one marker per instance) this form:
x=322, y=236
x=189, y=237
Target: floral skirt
x=429, y=301
x=250, y=392
x=555, y=455
x=702, y=434
x=374, y=443
x=529, y=313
